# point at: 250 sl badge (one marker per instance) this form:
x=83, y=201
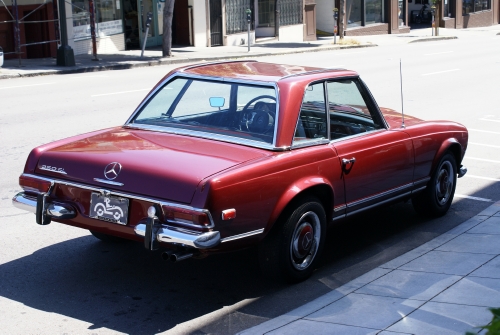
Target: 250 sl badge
x=53, y=169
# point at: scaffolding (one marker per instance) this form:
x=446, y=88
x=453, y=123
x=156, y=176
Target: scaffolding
x=16, y=21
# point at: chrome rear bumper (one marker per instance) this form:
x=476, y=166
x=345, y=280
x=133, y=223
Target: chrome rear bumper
x=169, y=234
x=29, y=203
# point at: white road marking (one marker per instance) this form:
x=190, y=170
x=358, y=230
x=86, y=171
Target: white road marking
x=123, y=92
x=429, y=74
x=482, y=159
x=485, y=119
x=479, y=177
x=84, y=77
x=472, y=198
x=3, y=88
x=439, y=53
x=485, y=145
x=485, y=131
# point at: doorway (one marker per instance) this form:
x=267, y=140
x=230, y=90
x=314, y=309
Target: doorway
x=215, y=23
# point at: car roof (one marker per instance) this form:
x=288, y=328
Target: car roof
x=260, y=71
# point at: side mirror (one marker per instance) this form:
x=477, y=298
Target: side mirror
x=217, y=102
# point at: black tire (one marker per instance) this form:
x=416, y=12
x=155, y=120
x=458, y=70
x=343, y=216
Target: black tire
x=291, y=250
x=436, y=199
x=107, y=238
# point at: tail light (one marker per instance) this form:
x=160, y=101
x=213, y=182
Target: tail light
x=35, y=184
x=187, y=217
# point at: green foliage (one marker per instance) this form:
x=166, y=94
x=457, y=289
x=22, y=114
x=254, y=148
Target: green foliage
x=493, y=328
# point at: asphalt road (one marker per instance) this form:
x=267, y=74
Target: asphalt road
x=60, y=279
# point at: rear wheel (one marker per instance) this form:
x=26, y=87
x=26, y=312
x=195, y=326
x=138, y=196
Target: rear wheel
x=291, y=251
x=107, y=238
x=436, y=199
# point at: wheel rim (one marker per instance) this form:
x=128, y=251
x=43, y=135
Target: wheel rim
x=444, y=183
x=305, y=240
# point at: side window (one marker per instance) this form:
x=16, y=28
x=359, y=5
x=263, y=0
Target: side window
x=349, y=113
x=196, y=99
x=312, y=122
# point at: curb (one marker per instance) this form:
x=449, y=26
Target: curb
x=434, y=38
x=167, y=61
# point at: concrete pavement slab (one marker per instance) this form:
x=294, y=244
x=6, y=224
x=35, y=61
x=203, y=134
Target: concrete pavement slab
x=313, y=327
x=473, y=243
x=444, y=262
x=442, y=319
x=355, y=308
x=489, y=270
x=406, y=258
x=490, y=226
x=472, y=291
x=409, y=285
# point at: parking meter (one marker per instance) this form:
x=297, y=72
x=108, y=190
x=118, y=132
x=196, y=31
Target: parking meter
x=1, y=57
x=335, y=20
x=249, y=20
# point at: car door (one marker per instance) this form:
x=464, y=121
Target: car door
x=377, y=163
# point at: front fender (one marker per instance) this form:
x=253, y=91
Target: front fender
x=451, y=144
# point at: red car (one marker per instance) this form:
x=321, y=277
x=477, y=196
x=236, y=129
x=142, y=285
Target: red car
x=229, y=155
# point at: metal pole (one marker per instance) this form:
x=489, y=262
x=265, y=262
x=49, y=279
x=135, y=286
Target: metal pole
x=17, y=33
x=148, y=23
x=65, y=55
x=335, y=16
x=92, y=29
x=249, y=19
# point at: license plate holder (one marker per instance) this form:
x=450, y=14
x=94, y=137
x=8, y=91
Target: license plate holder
x=109, y=208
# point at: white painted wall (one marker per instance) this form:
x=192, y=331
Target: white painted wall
x=293, y=33
x=199, y=22
x=235, y=39
x=324, y=15
x=105, y=45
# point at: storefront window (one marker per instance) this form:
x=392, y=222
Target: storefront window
x=108, y=18
x=236, y=17
x=266, y=13
x=374, y=10
x=353, y=13
x=471, y=6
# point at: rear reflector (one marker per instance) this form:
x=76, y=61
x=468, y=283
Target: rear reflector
x=228, y=214
x=34, y=184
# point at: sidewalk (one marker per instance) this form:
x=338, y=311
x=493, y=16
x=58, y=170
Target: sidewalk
x=131, y=58
x=442, y=287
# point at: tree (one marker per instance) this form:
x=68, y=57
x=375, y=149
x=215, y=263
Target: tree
x=168, y=14
x=341, y=19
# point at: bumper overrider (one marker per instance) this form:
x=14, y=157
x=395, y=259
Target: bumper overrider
x=153, y=230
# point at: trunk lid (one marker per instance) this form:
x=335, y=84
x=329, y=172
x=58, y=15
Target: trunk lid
x=160, y=165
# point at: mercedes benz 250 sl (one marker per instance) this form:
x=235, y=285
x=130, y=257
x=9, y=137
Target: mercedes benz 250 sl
x=230, y=155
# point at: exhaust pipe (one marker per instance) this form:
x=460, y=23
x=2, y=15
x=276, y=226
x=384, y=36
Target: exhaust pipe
x=166, y=255
x=180, y=256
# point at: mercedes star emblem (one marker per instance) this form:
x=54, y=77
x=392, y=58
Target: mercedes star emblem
x=112, y=170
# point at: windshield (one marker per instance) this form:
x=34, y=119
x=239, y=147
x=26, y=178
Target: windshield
x=222, y=108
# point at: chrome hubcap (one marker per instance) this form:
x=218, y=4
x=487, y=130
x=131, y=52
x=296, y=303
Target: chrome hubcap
x=444, y=183
x=305, y=240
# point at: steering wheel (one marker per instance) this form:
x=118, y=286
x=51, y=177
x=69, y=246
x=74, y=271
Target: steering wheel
x=261, y=121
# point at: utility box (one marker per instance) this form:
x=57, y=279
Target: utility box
x=1, y=57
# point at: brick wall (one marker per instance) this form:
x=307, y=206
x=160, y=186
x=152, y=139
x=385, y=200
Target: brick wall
x=373, y=29
x=479, y=19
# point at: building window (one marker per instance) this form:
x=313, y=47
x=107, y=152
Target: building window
x=373, y=12
x=236, y=16
x=290, y=12
x=472, y=6
x=266, y=13
x=108, y=18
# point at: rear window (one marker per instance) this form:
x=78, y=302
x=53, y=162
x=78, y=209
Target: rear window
x=230, y=109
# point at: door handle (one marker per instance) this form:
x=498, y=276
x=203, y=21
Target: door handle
x=348, y=161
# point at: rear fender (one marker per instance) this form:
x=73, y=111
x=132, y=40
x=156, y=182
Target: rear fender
x=295, y=190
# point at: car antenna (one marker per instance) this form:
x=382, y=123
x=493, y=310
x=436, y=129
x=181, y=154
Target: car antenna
x=401, y=84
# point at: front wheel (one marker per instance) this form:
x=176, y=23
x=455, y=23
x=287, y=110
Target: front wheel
x=436, y=199
x=292, y=249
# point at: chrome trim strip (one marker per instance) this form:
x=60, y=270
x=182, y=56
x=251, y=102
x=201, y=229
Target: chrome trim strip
x=130, y=196
x=229, y=139
x=340, y=208
x=311, y=72
x=422, y=181
x=168, y=234
x=356, y=135
x=104, y=181
x=309, y=143
x=239, y=236
x=210, y=136
x=338, y=217
x=379, y=203
x=50, y=170
x=24, y=202
x=375, y=104
x=380, y=195
x=419, y=189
